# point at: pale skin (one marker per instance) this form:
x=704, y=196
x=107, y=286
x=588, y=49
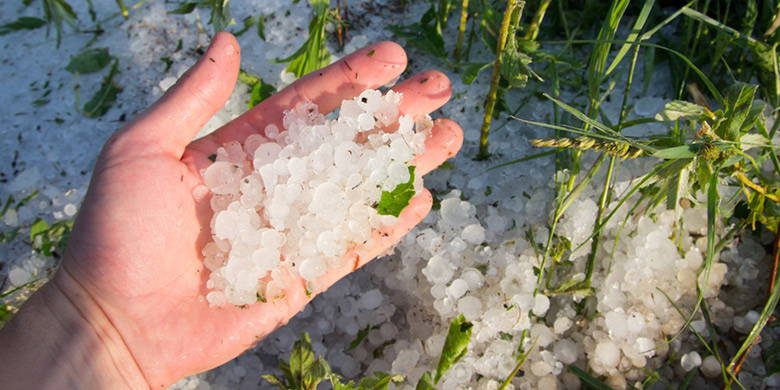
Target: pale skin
x=127, y=307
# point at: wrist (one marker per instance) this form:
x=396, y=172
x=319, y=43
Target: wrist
x=61, y=339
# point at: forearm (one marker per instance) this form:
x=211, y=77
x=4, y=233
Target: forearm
x=63, y=341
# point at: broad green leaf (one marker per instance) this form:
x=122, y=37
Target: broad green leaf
x=318, y=372
x=301, y=358
x=184, y=8
x=677, y=109
x=425, y=382
x=676, y=152
x=5, y=314
x=752, y=140
x=737, y=110
x=472, y=70
x=89, y=61
x=23, y=23
x=515, y=63
x=313, y=54
x=274, y=381
x=220, y=14
x=455, y=345
x=260, y=92
x=393, y=202
x=424, y=35
x=38, y=227
x=105, y=97
x=380, y=381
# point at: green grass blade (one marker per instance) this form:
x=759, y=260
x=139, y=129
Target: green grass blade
x=587, y=379
x=632, y=37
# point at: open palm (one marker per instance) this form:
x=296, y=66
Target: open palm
x=135, y=248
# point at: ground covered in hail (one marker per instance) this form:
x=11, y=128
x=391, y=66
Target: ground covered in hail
x=475, y=254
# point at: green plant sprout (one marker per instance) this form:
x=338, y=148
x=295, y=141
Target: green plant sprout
x=313, y=54
x=304, y=371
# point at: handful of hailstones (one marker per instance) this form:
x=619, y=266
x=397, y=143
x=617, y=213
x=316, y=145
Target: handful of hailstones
x=291, y=203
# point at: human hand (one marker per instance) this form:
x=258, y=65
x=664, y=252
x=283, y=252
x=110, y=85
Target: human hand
x=134, y=260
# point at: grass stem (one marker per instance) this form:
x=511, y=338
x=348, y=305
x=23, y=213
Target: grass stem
x=490, y=103
x=464, y=16
x=533, y=28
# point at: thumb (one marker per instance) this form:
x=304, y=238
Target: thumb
x=172, y=122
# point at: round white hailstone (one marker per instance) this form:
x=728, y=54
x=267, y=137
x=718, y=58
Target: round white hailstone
x=439, y=270
x=272, y=238
x=312, y=268
x=694, y=258
x=222, y=177
x=524, y=301
x=710, y=367
x=541, y=304
x=461, y=373
x=471, y=307
x=543, y=335
x=474, y=234
x=562, y=324
x=635, y=322
x=405, y=361
x=617, y=382
x=434, y=344
x=645, y=346
x=690, y=360
x=540, y=368
x=607, y=354
x=370, y=300
x=744, y=324
x=388, y=330
x=616, y=324
x=216, y=298
x=565, y=351
x=473, y=278
x=398, y=173
x=70, y=209
x=454, y=212
x=11, y=218
x=457, y=288
x=266, y=154
x=19, y=276
x=266, y=259
x=327, y=243
x=439, y=291
x=458, y=245
x=547, y=383
x=225, y=227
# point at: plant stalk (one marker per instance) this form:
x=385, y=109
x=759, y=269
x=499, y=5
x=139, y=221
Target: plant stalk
x=533, y=28
x=490, y=103
x=590, y=265
x=755, y=187
x=464, y=16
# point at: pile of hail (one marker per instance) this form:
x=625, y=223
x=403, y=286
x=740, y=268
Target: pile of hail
x=292, y=202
